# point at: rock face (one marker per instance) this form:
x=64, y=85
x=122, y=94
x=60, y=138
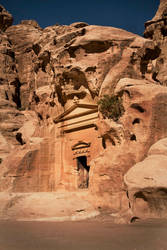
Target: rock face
x=52, y=133
x=6, y=19
x=146, y=183
x=156, y=29
x=142, y=124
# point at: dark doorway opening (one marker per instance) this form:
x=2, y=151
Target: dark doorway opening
x=83, y=172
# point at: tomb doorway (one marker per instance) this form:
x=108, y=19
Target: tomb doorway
x=83, y=172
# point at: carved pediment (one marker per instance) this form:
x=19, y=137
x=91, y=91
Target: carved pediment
x=80, y=145
x=77, y=110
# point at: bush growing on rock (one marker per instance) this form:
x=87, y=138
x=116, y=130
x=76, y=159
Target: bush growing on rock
x=111, y=107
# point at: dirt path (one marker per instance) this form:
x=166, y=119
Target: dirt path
x=83, y=235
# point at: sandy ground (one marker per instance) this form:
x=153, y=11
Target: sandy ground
x=31, y=221
x=94, y=234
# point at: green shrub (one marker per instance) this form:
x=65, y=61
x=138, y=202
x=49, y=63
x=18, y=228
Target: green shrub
x=111, y=107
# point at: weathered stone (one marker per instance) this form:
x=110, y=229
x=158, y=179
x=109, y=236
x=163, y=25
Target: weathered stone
x=159, y=148
x=126, y=143
x=146, y=183
x=156, y=29
x=6, y=19
x=57, y=138
x=31, y=22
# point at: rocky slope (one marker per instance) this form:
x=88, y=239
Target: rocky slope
x=42, y=71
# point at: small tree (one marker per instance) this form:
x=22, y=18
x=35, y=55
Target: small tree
x=111, y=107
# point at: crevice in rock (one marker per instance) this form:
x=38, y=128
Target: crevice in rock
x=83, y=32
x=103, y=143
x=152, y=54
x=91, y=69
x=138, y=107
x=10, y=53
x=6, y=95
x=140, y=195
x=40, y=116
x=164, y=31
x=14, y=129
x=44, y=59
x=127, y=194
x=20, y=139
x=35, y=97
x=52, y=103
x=36, y=67
x=71, y=51
x=2, y=81
x=54, y=41
x=61, y=98
x=154, y=77
x=149, y=33
x=128, y=93
x=36, y=48
x=16, y=95
x=109, y=138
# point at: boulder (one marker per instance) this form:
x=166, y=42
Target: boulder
x=159, y=148
x=146, y=183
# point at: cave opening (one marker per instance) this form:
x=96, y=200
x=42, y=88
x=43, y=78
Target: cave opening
x=83, y=172
x=136, y=120
x=133, y=137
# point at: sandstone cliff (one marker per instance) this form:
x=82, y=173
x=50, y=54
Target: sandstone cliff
x=42, y=74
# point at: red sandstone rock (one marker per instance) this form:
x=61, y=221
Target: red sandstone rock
x=48, y=68
x=146, y=183
x=6, y=19
x=156, y=29
x=142, y=124
x=51, y=80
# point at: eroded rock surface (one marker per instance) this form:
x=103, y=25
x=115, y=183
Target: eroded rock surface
x=6, y=19
x=142, y=124
x=156, y=29
x=146, y=183
x=48, y=75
